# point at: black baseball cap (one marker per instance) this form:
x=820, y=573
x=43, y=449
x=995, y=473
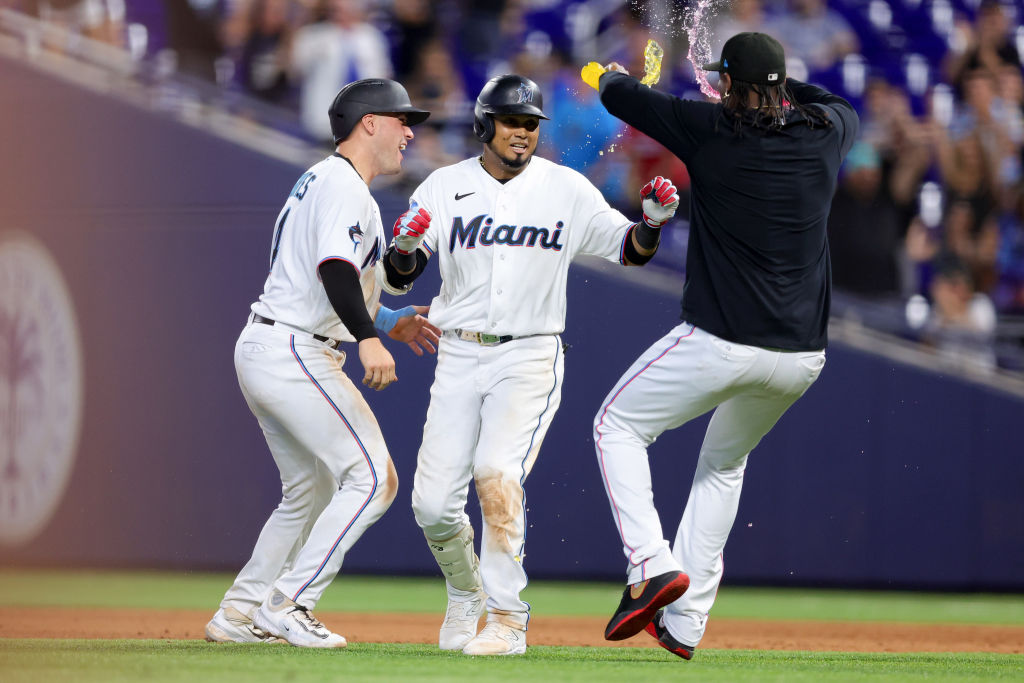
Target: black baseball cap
x=371, y=96
x=752, y=57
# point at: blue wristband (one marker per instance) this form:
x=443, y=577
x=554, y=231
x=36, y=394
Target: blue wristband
x=386, y=318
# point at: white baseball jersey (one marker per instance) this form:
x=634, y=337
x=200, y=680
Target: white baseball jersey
x=328, y=215
x=504, y=249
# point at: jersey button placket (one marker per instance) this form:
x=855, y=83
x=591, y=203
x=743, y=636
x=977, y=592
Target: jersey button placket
x=501, y=216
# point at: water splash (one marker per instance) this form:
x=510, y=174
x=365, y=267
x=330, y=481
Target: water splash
x=695, y=22
x=698, y=29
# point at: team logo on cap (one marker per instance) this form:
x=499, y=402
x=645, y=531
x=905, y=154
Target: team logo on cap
x=525, y=93
x=773, y=77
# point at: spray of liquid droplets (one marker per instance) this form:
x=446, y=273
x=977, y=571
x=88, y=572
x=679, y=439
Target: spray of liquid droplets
x=695, y=22
x=699, y=31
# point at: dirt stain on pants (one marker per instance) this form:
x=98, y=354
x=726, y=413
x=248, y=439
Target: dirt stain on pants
x=501, y=502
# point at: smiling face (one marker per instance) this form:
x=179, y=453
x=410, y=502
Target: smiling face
x=515, y=141
x=392, y=136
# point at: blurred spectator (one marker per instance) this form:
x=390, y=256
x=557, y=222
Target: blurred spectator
x=1009, y=293
x=339, y=48
x=969, y=179
x=813, y=33
x=742, y=16
x=865, y=227
x=101, y=20
x=414, y=23
x=974, y=243
x=436, y=84
x=960, y=324
x=582, y=134
x=485, y=38
x=193, y=34
x=985, y=45
x=998, y=124
x=263, y=59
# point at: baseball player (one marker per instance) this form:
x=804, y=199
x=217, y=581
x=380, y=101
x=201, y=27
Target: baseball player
x=763, y=166
x=322, y=292
x=504, y=227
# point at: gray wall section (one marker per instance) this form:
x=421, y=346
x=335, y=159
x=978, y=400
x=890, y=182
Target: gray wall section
x=881, y=475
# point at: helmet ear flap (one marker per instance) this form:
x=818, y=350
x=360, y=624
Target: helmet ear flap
x=483, y=124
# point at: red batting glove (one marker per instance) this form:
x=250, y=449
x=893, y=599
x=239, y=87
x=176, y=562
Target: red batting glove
x=660, y=201
x=410, y=228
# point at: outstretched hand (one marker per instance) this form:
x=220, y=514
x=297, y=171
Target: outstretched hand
x=416, y=331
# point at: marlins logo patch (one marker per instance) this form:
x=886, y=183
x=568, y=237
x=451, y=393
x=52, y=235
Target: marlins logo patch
x=525, y=93
x=355, y=233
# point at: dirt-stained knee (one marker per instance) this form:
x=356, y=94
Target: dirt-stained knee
x=389, y=489
x=501, y=501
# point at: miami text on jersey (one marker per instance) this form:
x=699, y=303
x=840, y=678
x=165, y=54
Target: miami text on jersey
x=479, y=229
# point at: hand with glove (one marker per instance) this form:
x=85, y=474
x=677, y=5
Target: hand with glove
x=410, y=228
x=660, y=201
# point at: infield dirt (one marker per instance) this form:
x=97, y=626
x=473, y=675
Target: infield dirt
x=722, y=633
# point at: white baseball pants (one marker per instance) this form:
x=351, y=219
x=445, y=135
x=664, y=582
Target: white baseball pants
x=490, y=408
x=682, y=376
x=336, y=475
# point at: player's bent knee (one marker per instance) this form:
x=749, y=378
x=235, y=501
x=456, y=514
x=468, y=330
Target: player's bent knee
x=299, y=496
x=389, y=487
x=433, y=516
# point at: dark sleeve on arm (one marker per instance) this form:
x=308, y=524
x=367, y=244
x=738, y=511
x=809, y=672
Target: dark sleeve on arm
x=843, y=114
x=341, y=282
x=673, y=122
x=417, y=261
x=647, y=237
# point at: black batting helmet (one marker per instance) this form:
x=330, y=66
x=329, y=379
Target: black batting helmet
x=508, y=94
x=370, y=96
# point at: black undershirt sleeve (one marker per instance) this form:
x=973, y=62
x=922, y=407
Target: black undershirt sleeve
x=647, y=237
x=393, y=261
x=341, y=282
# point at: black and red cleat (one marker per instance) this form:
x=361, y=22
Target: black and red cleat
x=640, y=602
x=665, y=639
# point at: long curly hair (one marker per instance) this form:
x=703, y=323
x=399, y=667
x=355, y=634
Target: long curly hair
x=775, y=101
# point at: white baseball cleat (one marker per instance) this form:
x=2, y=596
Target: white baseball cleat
x=283, y=618
x=497, y=639
x=231, y=626
x=461, y=618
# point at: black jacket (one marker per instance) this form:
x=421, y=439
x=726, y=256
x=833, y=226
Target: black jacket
x=757, y=266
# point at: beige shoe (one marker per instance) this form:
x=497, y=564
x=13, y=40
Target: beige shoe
x=497, y=639
x=461, y=618
x=283, y=618
x=231, y=626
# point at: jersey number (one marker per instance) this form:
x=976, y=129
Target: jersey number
x=299, y=191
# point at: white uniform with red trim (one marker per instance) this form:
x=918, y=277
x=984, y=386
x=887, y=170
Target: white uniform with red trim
x=336, y=475
x=503, y=251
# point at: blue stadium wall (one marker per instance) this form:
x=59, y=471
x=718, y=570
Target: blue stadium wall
x=881, y=475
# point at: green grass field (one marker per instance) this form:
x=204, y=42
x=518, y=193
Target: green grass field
x=195, y=661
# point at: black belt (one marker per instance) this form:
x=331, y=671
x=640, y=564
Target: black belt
x=333, y=343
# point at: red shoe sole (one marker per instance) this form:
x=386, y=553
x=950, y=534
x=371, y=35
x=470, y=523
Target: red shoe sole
x=635, y=622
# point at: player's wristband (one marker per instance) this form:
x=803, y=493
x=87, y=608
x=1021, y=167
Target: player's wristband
x=646, y=234
x=386, y=318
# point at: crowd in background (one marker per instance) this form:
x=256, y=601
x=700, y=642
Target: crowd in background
x=930, y=205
